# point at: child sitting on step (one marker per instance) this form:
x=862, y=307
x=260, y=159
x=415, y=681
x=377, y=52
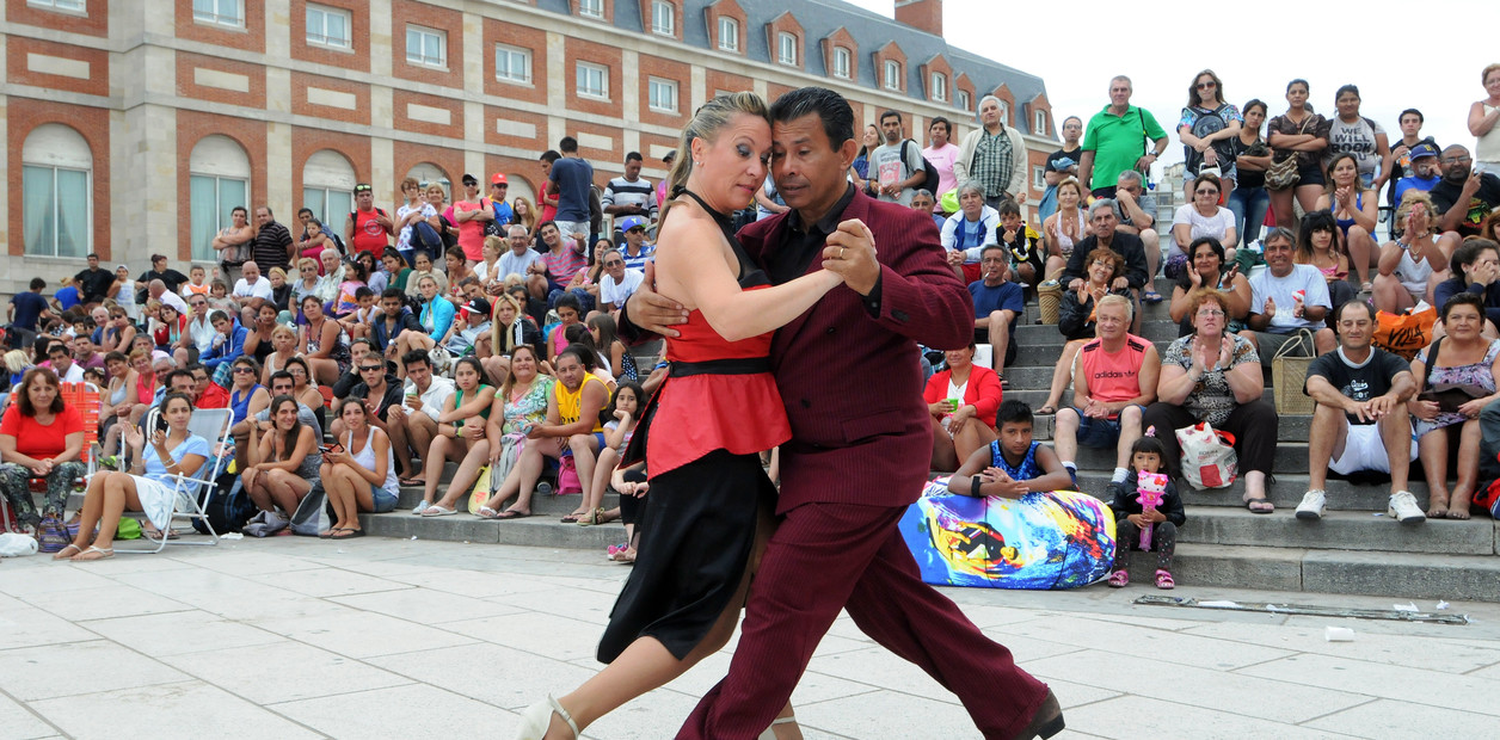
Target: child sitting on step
x=1013, y=465
x=1147, y=458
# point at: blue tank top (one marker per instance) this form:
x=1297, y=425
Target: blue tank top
x=1028, y=468
x=1345, y=223
x=240, y=406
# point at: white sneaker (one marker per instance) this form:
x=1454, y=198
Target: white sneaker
x=1403, y=508
x=1314, y=505
x=420, y=507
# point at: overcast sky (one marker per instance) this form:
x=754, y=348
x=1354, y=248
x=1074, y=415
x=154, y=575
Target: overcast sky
x=1070, y=46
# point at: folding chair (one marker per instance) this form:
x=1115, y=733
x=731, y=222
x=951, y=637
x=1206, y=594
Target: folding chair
x=85, y=398
x=213, y=425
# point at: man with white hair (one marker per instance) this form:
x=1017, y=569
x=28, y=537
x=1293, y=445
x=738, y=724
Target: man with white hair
x=995, y=155
x=250, y=291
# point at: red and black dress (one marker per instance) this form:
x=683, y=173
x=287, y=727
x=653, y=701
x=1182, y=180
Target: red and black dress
x=701, y=435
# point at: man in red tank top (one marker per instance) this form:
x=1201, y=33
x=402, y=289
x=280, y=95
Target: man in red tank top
x=368, y=229
x=1114, y=382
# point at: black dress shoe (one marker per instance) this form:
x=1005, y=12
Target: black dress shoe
x=1047, y=721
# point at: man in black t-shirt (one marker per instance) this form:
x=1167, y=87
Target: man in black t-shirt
x=1061, y=164
x=1361, y=422
x=93, y=283
x=1463, y=199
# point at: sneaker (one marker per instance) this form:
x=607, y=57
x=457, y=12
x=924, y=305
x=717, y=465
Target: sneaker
x=1403, y=508
x=1314, y=505
x=420, y=507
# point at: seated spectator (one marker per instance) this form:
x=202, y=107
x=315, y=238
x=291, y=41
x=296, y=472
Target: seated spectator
x=378, y=388
x=461, y=426
x=624, y=409
x=119, y=333
x=1355, y=208
x=150, y=486
x=40, y=437
x=618, y=282
x=1147, y=455
x=357, y=321
x=1012, y=465
x=286, y=463
x=969, y=230
x=116, y=399
x=1463, y=199
x=520, y=259
x=569, y=313
x=962, y=400
x=471, y=322
x=1203, y=217
x=1135, y=215
x=1076, y=316
x=377, y=278
x=358, y=473
x=572, y=425
x=197, y=283
x=250, y=291
x=258, y=337
x=564, y=258
x=394, y=318
x=413, y=425
x=422, y=267
x=1426, y=173
x=228, y=344
x=333, y=275
x=198, y=337
x=308, y=281
x=436, y=318
x=284, y=344
x=458, y=271
x=1115, y=381
x=1318, y=245
x=1024, y=245
x=346, y=300
x=1209, y=269
x=169, y=328
x=322, y=342
x=62, y=364
x=359, y=349
x=246, y=399
x=281, y=289
x=510, y=328
x=615, y=357
x=1286, y=298
x=998, y=305
x=1412, y=265
x=1214, y=376
x=283, y=384
x=1068, y=226
x=305, y=391
x=1361, y=421
x=1475, y=267
x=1455, y=379
x=522, y=403
x=923, y=202
x=579, y=334
x=218, y=298
x=1103, y=223
x=209, y=395
x=636, y=250
x=398, y=272
x=487, y=269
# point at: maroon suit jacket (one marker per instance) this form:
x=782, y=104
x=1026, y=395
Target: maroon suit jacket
x=853, y=384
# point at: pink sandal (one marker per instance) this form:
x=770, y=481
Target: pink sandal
x=1164, y=580
x=1119, y=579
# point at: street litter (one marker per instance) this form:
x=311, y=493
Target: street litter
x=1410, y=607
x=1395, y=615
x=1441, y=605
x=1338, y=634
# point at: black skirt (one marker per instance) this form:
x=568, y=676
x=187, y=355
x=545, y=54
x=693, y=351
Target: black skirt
x=696, y=533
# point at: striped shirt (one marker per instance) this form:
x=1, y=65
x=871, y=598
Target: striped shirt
x=622, y=192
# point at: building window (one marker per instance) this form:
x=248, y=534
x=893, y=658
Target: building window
x=229, y=13
x=328, y=26
x=1039, y=123
x=729, y=34
x=843, y=62
x=591, y=8
x=662, y=95
x=964, y=103
x=939, y=87
x=663, y=18
x=892, y=74
x=328, y=186
x=512, y=64
x=593, y=80
x=786, y=49
x=73, y=5
x=426, y=47
x=218, y=181
x=1039, y=178
x=57, y=168
x=428, y=173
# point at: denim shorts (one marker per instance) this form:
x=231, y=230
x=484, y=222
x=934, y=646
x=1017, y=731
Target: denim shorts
x=384, y=500
x=1097, y=433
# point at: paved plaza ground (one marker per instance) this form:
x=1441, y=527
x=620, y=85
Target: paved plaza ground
x=382, y=638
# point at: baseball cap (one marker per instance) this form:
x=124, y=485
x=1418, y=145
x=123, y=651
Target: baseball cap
x=1423, y=150
x=632, y=222
x=469, y=179
x=499, y=179
x=670, y=156
x=477, y=306
x=122, y=267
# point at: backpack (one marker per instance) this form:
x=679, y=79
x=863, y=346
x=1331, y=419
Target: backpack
x=930, y=179
x=228, y=506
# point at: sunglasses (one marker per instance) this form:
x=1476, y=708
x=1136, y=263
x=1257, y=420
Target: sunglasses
x=1207, y=85
x=369, y=368
x=1206, y=191
x=363, y=189
x=242, y=370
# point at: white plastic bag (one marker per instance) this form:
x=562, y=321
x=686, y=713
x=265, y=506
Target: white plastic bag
x=1208, y=458
x=14, y=545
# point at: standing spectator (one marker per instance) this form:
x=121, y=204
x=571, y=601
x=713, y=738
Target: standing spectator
x=1284, y=299
x=1482, y=117
x=160, y=271
x=67, y=295
x=499, y=189
x=998, y=305
x=1361, y=421
x=1214, y=376
x=315, y=237
x=1115, y=381
x=618, y=281
x=547, y=198
x=1202, y=216
x=368, y=228
x=40, y=437
x=1061, y=164
x=272, y=246
x=630, y=194
x=1412, y=263
x=1207, y=131
x=413, y=224
x=26, y=308
x=897, y=168
x=942, y=154
x=1135, y=213
x=1302, y=134
x=470, y=215
x=860, y=170
x=969, y=230
x=1115, y=141
x=573, y=176
x=1250, y=200
x=1411, y=121
x=995, y=155
x=1146, y=456
x=1464, y=198
x=667, y=161
x=251, y=291
x=441, y=221
x=1360, y=137
x=93, y=283
x=636, y=251
x=1426, y=173
x=1354, y=205
x=1466, y=363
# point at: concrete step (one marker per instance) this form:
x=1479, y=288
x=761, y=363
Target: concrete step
x=1291, y=458
x=1285, y=492
x=541, y=530
x=1157, y=330
x=1338, y=530
x=540, y=504
x=1289, y=427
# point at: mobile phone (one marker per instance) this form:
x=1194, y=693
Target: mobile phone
x=335, y=447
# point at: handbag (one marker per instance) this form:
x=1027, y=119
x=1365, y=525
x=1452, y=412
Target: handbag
x=480, y=492
x=1448, y=396
x=1405, y=333
x=1289, y=375
x=1208, y=457
x=1283, y=173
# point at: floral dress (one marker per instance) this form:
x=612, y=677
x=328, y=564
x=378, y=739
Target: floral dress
x=1211, y=400
x=1479, y=374
x=530, y=408
x=339, y=353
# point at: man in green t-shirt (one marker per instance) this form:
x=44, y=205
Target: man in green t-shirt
x=1116, y=141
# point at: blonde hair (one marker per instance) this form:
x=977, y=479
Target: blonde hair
x=15, y=361
x=1485, y=75
x=307, y=262
x=284, y=329
x=706, y=124
x=1073, y=181
x=1410, y=199
x=438, y=187
x=495, y=243
x=277, y=271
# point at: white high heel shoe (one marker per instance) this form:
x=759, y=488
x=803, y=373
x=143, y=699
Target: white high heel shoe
x=538, y=717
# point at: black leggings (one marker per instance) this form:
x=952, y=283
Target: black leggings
x=1252, y=424
x=1128, y=537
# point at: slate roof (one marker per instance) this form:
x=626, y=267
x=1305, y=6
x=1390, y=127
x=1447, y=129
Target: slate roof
x=871, y=31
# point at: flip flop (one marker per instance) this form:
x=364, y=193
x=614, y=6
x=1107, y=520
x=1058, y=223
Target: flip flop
x=512, y=514
x=1260, y=506
x=348, y=534
x=1151, y=296
x=486, y=512
x=412, y=482
x=573, y=518
x=1047, y=410
x=435, y=510
x=63, y=554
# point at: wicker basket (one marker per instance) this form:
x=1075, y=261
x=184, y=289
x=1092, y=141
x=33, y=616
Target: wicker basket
x=1289, y=373
x=1049, y=301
